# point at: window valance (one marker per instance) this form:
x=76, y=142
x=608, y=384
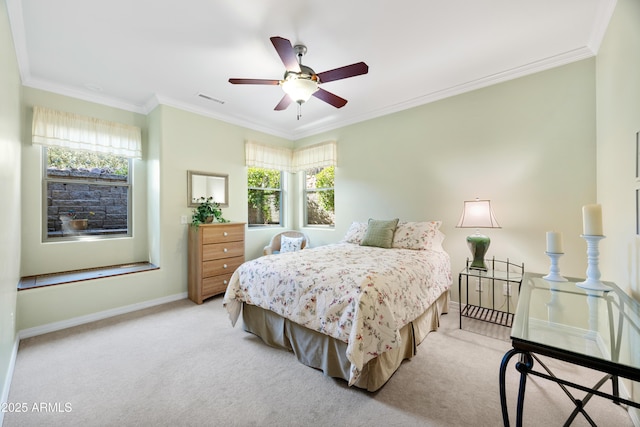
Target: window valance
x=77, y=132
x=315, y=156
x=285, y=159
x=267, y=156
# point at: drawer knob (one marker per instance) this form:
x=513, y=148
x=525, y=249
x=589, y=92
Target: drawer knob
x=224, y=266
x=225, y=282
x=225, y=234
x=225, y=250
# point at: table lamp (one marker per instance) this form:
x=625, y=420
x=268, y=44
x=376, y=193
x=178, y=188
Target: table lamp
x=478, y=214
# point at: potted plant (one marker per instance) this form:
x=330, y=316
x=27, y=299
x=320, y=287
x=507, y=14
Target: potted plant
x=206, y=212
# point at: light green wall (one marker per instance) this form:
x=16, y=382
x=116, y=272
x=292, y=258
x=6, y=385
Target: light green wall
x=193, y=142
x=618, y=82
x=528, y=145
x=618, y=119
x=417, y=164
x=174, y=142
x=10, y=191
x=39, y=257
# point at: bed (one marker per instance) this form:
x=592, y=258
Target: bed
x=353, y=309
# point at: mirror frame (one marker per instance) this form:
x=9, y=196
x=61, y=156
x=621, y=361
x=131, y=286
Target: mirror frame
x=193, y=174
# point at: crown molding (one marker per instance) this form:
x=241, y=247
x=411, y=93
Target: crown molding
x=503, y=76
x=163, y=100
x=14, y=9
x=599, y=29
x=83, y=95
x=156, y=100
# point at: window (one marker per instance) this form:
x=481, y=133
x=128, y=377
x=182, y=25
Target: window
x=87, y=193
x=267, y=166
x=87, y=164
x=319, y=205
x=265, y=197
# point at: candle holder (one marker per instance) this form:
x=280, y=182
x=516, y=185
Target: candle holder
x=554, y=270
x=593, y=281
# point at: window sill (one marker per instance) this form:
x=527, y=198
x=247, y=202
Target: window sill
x=42, y=280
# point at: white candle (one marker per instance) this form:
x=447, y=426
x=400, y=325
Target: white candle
x=554, y=242
x=592, y=220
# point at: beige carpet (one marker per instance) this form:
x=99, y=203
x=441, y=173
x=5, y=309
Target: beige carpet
x=181, y=364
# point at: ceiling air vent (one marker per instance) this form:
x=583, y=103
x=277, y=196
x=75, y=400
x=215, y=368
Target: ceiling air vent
x=210, y=98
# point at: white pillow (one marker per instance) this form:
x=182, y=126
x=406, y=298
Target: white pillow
x=355, y=233
x=290, y=244
x=418, y=235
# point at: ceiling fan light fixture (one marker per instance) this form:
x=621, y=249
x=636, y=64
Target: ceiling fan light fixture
x=299, y=89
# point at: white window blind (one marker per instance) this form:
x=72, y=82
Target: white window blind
x=77, y=132
x=315, y=156
x=267, y=156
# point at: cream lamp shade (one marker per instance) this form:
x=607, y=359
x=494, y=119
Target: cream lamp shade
x=478, y=214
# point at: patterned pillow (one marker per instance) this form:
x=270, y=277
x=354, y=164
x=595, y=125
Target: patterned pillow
x=290, y=244
x=418, y=235
x=355, y=233
x=380, y=233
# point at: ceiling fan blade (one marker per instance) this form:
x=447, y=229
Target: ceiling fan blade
x=286, y=53
x=284, y=103
x=254, y=82
x=330, y=98
x=343, y=72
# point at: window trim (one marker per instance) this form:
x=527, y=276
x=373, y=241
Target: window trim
x=94, y=237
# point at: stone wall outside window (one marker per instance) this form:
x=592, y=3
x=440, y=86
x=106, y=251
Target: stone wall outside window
x=104, y=206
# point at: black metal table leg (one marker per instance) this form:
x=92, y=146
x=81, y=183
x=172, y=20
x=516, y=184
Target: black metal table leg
x=524, y=366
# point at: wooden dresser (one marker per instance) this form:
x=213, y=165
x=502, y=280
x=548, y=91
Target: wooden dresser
x=215, y=251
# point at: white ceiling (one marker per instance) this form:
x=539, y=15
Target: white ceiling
x=136, y=54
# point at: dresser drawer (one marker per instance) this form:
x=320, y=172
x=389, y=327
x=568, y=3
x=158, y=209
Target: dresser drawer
x=222, y=234
x=221, y=266
x=222, y=250
x=215, y=285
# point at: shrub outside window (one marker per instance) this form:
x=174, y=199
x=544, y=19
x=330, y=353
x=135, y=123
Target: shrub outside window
x=87, y=194
x=265, y=197
x=319, y=197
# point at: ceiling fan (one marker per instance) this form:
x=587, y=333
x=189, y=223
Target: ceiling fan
x=301, y=82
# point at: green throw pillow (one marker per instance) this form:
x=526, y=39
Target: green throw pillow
x=380, y=233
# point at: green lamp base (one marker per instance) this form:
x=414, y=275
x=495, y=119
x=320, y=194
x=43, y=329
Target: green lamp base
x=478, y=245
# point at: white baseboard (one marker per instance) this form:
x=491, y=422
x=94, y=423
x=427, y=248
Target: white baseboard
x=4, y=396
x=81, y=320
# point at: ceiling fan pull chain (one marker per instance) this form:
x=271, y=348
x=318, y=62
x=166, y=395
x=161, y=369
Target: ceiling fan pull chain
x=299, y=110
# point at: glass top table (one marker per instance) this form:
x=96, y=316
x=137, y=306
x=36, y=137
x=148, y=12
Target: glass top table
x=596, y=329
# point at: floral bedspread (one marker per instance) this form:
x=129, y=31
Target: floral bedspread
x=358, y=294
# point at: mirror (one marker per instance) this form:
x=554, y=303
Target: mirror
x=203, y=184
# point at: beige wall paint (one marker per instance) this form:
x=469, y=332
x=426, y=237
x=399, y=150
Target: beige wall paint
x=618, y=94
x=528, y=145
x=10, y=190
